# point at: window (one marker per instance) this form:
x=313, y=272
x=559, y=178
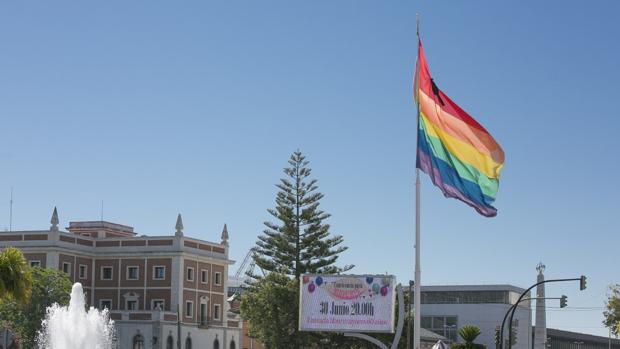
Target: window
x=188, y=343
x=442, y=325
x=465, y=297
x=218, y=278
x=133, y=272
x=232, y=344
x=438, y=322
x=138, y=342
x=203, y=314
x=82, y=271
x=158, y=303
x=170, y=343
x=216, y=344
x=189, y=309
x=106, y=273
x=216, y=311
x=105, y=303
x=132, y=304
x=66, y=267
x=159, y=272
x=204, y=276
x=190, y=274
x=35, y=264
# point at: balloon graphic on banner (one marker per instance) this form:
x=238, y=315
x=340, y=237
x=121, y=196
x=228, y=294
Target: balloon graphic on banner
x=311, y=287
x=306, y=279
x=319, y=281
x=375, y=288
x=369, y=279
x=384, y=291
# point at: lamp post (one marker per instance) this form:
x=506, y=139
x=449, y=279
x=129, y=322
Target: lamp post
x=447, y=329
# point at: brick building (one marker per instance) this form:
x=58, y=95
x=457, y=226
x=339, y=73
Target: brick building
x=143, y=280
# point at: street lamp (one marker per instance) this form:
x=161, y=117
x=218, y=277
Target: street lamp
x=447, y=329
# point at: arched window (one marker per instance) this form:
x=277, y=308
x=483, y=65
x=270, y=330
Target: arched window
x=188, y=343
x=232, y=345
x=169, y=343
x=138, y=342
x=216, y=344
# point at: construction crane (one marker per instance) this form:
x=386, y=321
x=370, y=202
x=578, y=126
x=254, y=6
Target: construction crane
x=236, y=283
x=250, y=267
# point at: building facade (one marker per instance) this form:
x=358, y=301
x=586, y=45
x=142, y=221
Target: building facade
x=144, y=281
x=445, y=309
x=559, y=339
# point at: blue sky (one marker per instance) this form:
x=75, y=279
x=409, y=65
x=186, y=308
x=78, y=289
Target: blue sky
x=159, y=108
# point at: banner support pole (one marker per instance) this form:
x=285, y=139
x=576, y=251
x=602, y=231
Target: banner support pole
x=399, y=325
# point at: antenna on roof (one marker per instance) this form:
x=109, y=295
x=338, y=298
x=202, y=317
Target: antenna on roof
x=102, y=210
x=11, y=211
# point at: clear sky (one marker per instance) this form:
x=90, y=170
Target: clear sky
x=194, y=107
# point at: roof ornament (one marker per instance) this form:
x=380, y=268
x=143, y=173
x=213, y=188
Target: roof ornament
x=224, y=236
x=540, y=268
x=179, y=226
x=54, y=220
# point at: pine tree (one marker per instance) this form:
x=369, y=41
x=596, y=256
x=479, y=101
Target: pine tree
x=300, y=241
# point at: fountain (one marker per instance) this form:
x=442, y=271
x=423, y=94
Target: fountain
x=73, y=327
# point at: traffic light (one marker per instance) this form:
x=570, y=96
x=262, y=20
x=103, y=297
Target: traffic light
x=514, y=336
x=563, y=302
x=497, y=335
x=582, y=283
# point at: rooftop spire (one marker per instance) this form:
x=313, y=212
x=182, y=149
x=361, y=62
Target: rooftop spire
x=540, y=268
x=54, y=220
x=179, y=226
x=224, y=235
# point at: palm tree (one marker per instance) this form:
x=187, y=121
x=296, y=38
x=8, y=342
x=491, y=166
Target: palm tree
x=469, y=334
x=15, y=277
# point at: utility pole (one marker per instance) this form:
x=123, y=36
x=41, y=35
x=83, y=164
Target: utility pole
x=511, y=311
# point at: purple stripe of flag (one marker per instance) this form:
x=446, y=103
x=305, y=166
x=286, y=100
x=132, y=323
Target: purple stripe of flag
x=424, y=163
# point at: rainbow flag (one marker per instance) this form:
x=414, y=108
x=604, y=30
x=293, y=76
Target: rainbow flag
x=459, y=155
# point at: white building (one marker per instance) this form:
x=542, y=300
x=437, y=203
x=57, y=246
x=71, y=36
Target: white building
x=445, y=309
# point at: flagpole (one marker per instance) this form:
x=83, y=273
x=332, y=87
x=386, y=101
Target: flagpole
x=417, y=298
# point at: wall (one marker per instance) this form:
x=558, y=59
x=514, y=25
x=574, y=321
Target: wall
x=486, y=317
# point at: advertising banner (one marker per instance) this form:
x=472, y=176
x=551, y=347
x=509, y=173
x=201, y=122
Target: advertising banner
x=346, y=303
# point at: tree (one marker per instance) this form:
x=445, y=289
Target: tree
x=300, y=242
x=612, y=311
x=469, y=333
x=267, y=305
x=49, y=286
x=15, y=278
